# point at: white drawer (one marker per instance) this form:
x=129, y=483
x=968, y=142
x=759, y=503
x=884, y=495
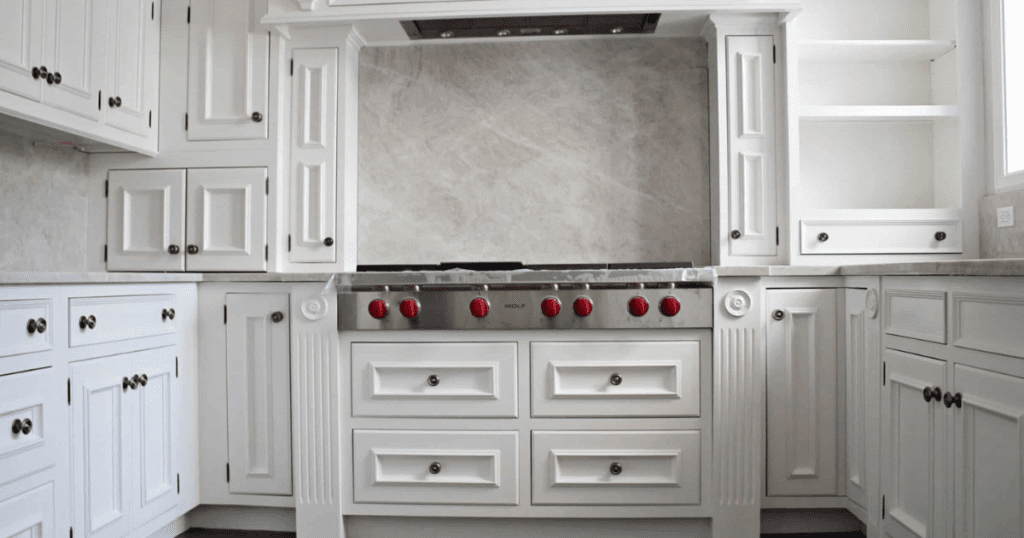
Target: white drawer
x=654, y=468
x=28, y=514
x=880, y=237
x=434, y=380
x=916, y=313
x=473, y=467
x=17, y=335
x=616, y=379
x=33, y=401
x=115, y=319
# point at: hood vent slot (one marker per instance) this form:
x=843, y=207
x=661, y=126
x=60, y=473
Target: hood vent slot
x=554, y=25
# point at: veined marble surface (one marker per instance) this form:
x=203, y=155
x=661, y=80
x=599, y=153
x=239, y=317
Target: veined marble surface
x=1002, y=242
x=1002, y=267
x=43, y=277
x=540, y=152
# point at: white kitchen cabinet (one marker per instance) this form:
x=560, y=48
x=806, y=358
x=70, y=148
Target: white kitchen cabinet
x=133, y=47
x=75, y=55
x=228, y=70
x=28, y=514
x=259, y=394
x=314, y=140
x=222, y=226
x=21, y=47
x=802, y=413
x=859, y=350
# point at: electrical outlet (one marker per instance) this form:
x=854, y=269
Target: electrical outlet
x=1005, y=217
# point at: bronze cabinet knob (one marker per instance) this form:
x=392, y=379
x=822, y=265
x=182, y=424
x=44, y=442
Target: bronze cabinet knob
x=125, y=383
x=277, y=317
x=173, y=249
x=36, y=73
x=616, y=469
x=16, y=426
x=940, y=236
x=435, y=468
x=735, y=234
x=41, y=325
x=26, y=426
x=616, y=379
x=329, y=242
x=257, y=117
x=32, y=326
x=932, y=393
x=778, y=315
x=433, y=380
x=823, y=237
x=953, y=399
x=87, y=322
x=192, y=249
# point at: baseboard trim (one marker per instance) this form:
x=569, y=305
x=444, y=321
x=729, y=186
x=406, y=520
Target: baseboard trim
x=803, y=521
x=243, y=518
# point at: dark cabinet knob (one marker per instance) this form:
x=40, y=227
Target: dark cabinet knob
x=125, y=383
x=173, y=249
x=257, y=117
x=167, y=314
x=32, y=326
x=42, y=71
x=16, y=426
x=778, y=315
x=26, y=426
x=435, y=468
x=277, y=317
x=56, y=78
x=735, y=234
x=616, y=379
x=49, y=78
x=36, y=73
x=616, y=469
x=932, y=393
x=953, y=399
x=192, y=249
x=41, y=325
x=823, y=237
x=110, y=102
x=940, y=236
x=139, y=380
x=329, y=242
x=89, y=322
x=433, y=380
x=117, y=101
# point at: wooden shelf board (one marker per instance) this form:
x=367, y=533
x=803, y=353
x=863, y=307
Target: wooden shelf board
x=890, y=50
x=877, y=113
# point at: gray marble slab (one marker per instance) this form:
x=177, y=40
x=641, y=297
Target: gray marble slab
x=42, y=277
x=777, y=270
x=1003, y=267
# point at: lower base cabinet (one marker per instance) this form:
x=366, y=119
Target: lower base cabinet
x=29, y=514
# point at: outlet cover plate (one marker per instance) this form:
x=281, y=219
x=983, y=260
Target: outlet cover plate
x=1005, y=217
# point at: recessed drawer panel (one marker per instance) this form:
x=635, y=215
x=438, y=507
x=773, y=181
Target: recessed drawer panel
x=434, y=379
x=30, y=419
x=435, y=467
x=616, y=468
x=29, y=514
x=881, y=237
x=990, y=323
x=26, y=326
x=97, y=320
x=918, y=314
x=616, y=379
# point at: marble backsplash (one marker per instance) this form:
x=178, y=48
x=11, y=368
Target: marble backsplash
x=1002, y=242
x=43, y=206
x=542, y=152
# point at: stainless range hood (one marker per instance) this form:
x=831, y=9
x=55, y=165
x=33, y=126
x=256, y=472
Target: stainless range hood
x=553, y=25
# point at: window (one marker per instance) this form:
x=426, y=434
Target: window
x=1006, y=87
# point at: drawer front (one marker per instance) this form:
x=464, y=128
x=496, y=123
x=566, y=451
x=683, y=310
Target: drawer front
x=31, y=400
x=20, y=324
x=395, y=467
x=616, y=468
x=616, y=379
x=989, y=322
x=434, y=380
x=117, y=319
x=881, y=237
x=29, y=514
x=918, y=314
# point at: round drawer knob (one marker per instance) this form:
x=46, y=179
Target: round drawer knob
x=953, y=399
x=257, y=117
x=940, y=236
x=433, y=381
x=932, y=393
x=778, y=315
x=192, y=249
x=87, y=322
x=277, y=317
x=16, y=426
x=616, y=379
x=735, y=234
x=173, y=249
x=125, y=383
x=41, y=325
x=435, y=468
x=329, y=242
x=26, y=426
x=36, y=73
x=823, y=237
x=616, y=469
x=32, y=326
x=167, y=314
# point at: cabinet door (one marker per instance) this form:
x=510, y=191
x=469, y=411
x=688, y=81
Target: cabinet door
x=856, y=397
x=314, y=155
x=155, y=406
x=802, y=389
x=101, y=442
x=913, y=447
x=21, y=47
x=133, y=65
x=988, y=473
x=259, y=394
x=146, y=220
x=228, y=66
x=751, y=99
x=75, y=53
x=227, y=219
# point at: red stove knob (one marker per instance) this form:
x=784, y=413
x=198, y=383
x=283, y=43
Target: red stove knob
x=410, y=308
x=378, y=308
x=551, y=306
x=638, y=306
x=670, y=306
x=583, y=306
x=479, y=307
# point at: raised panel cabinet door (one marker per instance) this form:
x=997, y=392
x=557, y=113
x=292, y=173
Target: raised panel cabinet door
x=802, y=390
x=314, y=155
x=146, y=220
x=856, y=399
x=28, y=514
x=259, y=394
x=750, y=77
x=133, y=65
x=913, y=447
x=154, y=439
x=228, y=70
x=988, y=472
x=101, y=444
x=227, y=219
x=75, y=54
x=21, y=47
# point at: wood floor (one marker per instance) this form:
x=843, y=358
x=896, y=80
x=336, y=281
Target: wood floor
x=207, y=533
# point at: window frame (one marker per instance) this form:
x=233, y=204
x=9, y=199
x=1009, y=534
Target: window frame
x=994, y=47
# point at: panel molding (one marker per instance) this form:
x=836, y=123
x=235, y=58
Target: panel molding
x=738, y=438
x=491, y=368
x=894, y=329
x=1007, y=343
x=809, y=438
x=751, y=107
x=673, y=370
x=490, y=458
x=670, y=478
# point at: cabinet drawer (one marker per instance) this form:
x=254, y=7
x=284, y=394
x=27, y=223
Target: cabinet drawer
x=616, y=468
x=118, y=318
x=28, y=514
x=616, y=379
x=16, y=337
x=31, y=400
x=915, y=313
x=434, y=380
x=471, y=467
x=881, y=237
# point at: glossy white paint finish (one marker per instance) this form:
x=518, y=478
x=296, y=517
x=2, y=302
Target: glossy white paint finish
x=227, y=219
x=74, y=47
x=29, y=514
x=21, y=47
x=134, y=49
x=155, y=444
x=146, y=215
x=919, y=314
x=119, y=318
x=24, y=454
x=14, y=319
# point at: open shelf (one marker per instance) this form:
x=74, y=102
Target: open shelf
x=877, y=113
x=874, y=50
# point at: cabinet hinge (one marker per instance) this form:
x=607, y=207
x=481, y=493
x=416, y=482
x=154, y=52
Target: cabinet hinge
x=186, y=121
x=104, y=252
x=883, y=374
x=229, y=473
x=106, y=189
x=188, y=19
x=225, y=314
x=179, y=483
x=776, y=236
x=150, y=119
x=883, y=506
x=99, y=100
x=266, y=252
x=268, y=185
x=69, y=391
x=71, y=532
x=152, y=11
x=289, y=242
x=773, y=53
x=291, y=71
x=175, y=367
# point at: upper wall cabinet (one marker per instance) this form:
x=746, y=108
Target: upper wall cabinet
x=134, y=50
x=74, y=54
x=228, y=58
x=21, y=47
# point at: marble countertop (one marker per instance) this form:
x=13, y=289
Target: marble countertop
x=39, y=277
x=1004, y=267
